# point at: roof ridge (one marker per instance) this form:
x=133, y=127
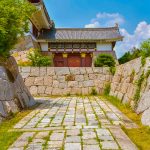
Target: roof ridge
x=103, y=28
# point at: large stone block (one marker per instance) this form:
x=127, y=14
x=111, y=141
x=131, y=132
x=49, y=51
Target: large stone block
x=25, y=75
x=35, y=72
x=50, y=71
x=48, y=90
x=88, y=83
x=85, y=91
x=89, y=70
x=41, y=90
x=57, y=91
x=75, y=70
x=79, y=78
x=75, y=91
x=55, y=84
x=144, y=102
x=92, y=76
x=62, y=70
x=145, y=119
x=61, y=78
x=43, y=71
x=39, y=81
x=33, y=90
x=72, y=84
x=29, y=81
x=48, y=80
x=63, y=85
x=26, y=69
x=82, y=70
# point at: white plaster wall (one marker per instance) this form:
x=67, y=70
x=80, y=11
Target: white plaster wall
x=44, y=46
x=104, y=46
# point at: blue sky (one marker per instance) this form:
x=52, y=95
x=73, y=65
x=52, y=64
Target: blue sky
x=133, y=17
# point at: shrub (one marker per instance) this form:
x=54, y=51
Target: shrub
x=112, y=70
x=107, y=89
x=105, y=60
x=38, y=60
x=93, y=91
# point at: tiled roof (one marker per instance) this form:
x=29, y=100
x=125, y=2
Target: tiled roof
x=111, y=33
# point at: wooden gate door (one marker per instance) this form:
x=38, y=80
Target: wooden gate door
x=74, y=60
x=88, y=60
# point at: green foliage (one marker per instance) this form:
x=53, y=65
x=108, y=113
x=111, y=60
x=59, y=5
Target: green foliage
x=143, y=60
x=105, y=60
x=14, y=20
x=143, y=52
x=138, y=90
x=93, y=91
x=132, y=76
x=107, y=89
x=125, y=58
x=38, y=60
x=112, y=70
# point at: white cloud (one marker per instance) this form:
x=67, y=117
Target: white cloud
x=141, y=33
x=105, y=19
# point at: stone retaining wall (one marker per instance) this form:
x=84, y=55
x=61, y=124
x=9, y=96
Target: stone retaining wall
x=124, y=85
x=14, y=95
x=46, y=81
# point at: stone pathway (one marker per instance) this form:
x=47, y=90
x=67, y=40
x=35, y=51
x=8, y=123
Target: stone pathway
x=74, y=123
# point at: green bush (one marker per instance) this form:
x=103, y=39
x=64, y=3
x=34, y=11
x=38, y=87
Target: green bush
x=107, y=89
x=105, y=60
x=37, y=60
x=93, y=91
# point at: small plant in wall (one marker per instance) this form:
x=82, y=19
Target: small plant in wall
x=70, y=77
x=106, y=60
x=93, y=91
x=142, y=81
x=107, y=89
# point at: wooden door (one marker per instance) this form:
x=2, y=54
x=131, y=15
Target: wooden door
x=74, y=60
x=58, y=60
x=88, y=60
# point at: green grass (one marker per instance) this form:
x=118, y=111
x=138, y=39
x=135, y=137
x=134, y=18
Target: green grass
x=140, y=136
x=7, y=137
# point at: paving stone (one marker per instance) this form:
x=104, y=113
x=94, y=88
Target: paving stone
x=109, y=145
x=91, y=147
x=90, y=142
x=57, y=136
x=73, y=139
x=54, y=144
x=66, y=121
x=72, y=146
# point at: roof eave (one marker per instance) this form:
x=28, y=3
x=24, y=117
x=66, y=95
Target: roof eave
x=81, y=40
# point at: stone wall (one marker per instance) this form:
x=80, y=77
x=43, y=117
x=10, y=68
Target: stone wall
x=14, y=95
x=21, y=49
x=124, y=85
x=46, y=81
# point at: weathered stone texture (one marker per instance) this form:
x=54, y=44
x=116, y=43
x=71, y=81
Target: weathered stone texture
x=44, y=81
x=124, y=87
x=13, y=93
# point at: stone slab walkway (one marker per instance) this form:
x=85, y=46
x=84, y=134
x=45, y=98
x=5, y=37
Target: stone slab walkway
x=74, y=123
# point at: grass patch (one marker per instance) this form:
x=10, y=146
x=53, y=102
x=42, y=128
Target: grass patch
x=140, y=136
x=6, y=137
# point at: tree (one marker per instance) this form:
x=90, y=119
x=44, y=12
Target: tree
x=145, y=48
x=125, y=58
x=105, y=60
x=14, y=20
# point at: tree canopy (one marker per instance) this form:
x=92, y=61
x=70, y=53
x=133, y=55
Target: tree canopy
x=14, y=22
x=143, y=51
